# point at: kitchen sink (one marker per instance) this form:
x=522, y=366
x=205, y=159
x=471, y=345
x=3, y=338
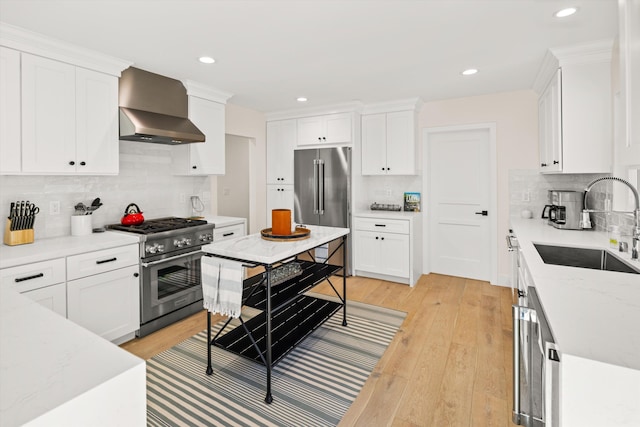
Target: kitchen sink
x=596, y=259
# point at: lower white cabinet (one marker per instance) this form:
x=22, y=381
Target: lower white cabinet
x=384, y=253
x=386, y=247
x=107, y=304
x=53, y=297
x=229, y=232
x=279, y=197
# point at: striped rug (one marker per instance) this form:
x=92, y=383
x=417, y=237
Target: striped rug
x=314, y=385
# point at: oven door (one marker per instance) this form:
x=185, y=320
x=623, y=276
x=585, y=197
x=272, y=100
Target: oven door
x=169, y=284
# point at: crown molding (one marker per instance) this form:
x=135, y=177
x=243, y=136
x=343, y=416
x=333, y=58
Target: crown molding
x=203, y=91
x=349, y=107
x=38, y=44
x=410, y=104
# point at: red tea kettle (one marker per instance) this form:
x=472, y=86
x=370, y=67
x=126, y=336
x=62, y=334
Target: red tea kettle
x=132, y=215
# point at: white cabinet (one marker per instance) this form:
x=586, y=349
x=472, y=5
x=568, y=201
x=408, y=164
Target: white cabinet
x=326, y=129
x=281, y=142
x=69, y=119
x=279, y=197
x=107, y=304
x=388, y=143
x=206, y=158
x=575, y=110
x=550, y=126
x=385, y=248
x=9, y=110
x=43, y=282
x=229, y=232
x=627, y=102
x=103, y=291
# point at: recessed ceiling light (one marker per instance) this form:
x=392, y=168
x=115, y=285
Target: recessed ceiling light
x=206, y=60
x=566, y=12
x=301, y=99
x=469, y=72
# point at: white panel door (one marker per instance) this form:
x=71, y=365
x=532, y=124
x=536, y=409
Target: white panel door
x=337, y=128
x=281, y=142
x=48, y=116
x=52, y=297
x=459, y=193
x=367, y=251
x=96, y=123
x=394, y=256
x=374, y=144
x=9, y=110
x=401, y=143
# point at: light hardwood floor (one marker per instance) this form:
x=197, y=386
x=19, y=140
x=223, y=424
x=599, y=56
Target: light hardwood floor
x=449, y=365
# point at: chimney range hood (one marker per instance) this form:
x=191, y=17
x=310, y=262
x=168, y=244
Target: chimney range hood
x=154, y=108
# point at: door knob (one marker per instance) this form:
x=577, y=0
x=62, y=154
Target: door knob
x=483, y=213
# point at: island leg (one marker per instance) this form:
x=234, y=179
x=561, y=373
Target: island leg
x=344, y=280
x=209, y=367
x=269, y=398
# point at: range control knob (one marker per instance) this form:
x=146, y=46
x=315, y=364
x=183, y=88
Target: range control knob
x=154, y=249
x=203, y=237
x=160, y=248
x=178, y=243
x=187, y=242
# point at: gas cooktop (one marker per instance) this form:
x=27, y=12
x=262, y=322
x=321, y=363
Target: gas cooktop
x=158, y=225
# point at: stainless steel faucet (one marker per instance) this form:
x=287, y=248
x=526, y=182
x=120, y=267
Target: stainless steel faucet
x=585, y=222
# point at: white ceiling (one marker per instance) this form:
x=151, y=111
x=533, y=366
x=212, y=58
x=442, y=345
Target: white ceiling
x=269, y=52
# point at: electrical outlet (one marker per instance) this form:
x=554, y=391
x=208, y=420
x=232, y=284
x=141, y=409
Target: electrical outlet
x=54, y=207
x=526, y=196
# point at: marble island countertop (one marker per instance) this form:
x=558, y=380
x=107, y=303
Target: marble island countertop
x=593, y=314
x=253, y=248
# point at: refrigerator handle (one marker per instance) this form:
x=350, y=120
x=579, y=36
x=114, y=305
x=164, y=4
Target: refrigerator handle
x=321, y=187
x=316, y=170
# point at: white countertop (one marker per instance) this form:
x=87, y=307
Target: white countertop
x=223, y=221
x=47, y=361
x=387, y=214
x=57, y=247
x=593, y=314
x=253, y=248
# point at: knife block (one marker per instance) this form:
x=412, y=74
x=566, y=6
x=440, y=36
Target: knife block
x=17, y=237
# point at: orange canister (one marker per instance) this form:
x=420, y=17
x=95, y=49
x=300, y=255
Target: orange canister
x=281, y=222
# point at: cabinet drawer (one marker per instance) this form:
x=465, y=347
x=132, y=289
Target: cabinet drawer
x=382, y=224
x=24, y=278
x=100, y=261
x=224, y=233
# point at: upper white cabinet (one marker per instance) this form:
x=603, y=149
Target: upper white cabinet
x=627, y=132
x=9, y=110
x=326, y=129
x=69, y=119
x=59, y=110
x=279, y=197
x=206, y=158
x=281, y=142
x=575, y=109
x=389, y=143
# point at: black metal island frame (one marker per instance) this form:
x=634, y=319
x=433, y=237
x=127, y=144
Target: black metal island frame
x=287, y=315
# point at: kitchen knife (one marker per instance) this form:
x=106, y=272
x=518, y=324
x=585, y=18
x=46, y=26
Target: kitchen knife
x=12, y=216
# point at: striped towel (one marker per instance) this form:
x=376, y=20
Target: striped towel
x=222, y=286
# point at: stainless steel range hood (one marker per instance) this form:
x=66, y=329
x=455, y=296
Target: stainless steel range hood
x=154, y=108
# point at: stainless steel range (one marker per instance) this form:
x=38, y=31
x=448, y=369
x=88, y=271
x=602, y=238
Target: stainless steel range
x=170, y=285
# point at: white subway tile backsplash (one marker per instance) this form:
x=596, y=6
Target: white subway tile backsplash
x=145, y=178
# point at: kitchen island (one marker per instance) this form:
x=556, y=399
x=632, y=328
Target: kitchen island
x=287, y=315
x=595, y=319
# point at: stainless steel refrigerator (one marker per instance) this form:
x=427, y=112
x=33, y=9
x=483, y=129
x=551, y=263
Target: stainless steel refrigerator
x=322, y=190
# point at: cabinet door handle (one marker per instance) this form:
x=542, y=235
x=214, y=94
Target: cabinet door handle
x=136, y=274
x=228, y=234
x=83, y=163
x=555, y=162
x=382, y=238
x=194, y=167
x=103, y=261
x=544, y=165
x=72, y=163
x=22, y=279
x=380, y=225
x=376, y=237
x=483, y=213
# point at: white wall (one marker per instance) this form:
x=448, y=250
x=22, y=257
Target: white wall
x=516, y=117
x=252, y=124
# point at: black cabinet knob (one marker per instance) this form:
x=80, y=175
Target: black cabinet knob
x=83, y=163
x=382, y=238
x=72, y=163
x=136, y=274
x=544, y=165
x=382, y=168
x=555, y=162
x=194, y=167
x=376, y=238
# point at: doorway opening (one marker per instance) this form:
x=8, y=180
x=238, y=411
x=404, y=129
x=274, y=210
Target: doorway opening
x=234, y=188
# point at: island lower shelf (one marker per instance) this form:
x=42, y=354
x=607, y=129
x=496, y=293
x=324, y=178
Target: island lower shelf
x=289, y=326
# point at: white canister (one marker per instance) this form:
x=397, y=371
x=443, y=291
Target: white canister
x=81, y=225
x=526, y=213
